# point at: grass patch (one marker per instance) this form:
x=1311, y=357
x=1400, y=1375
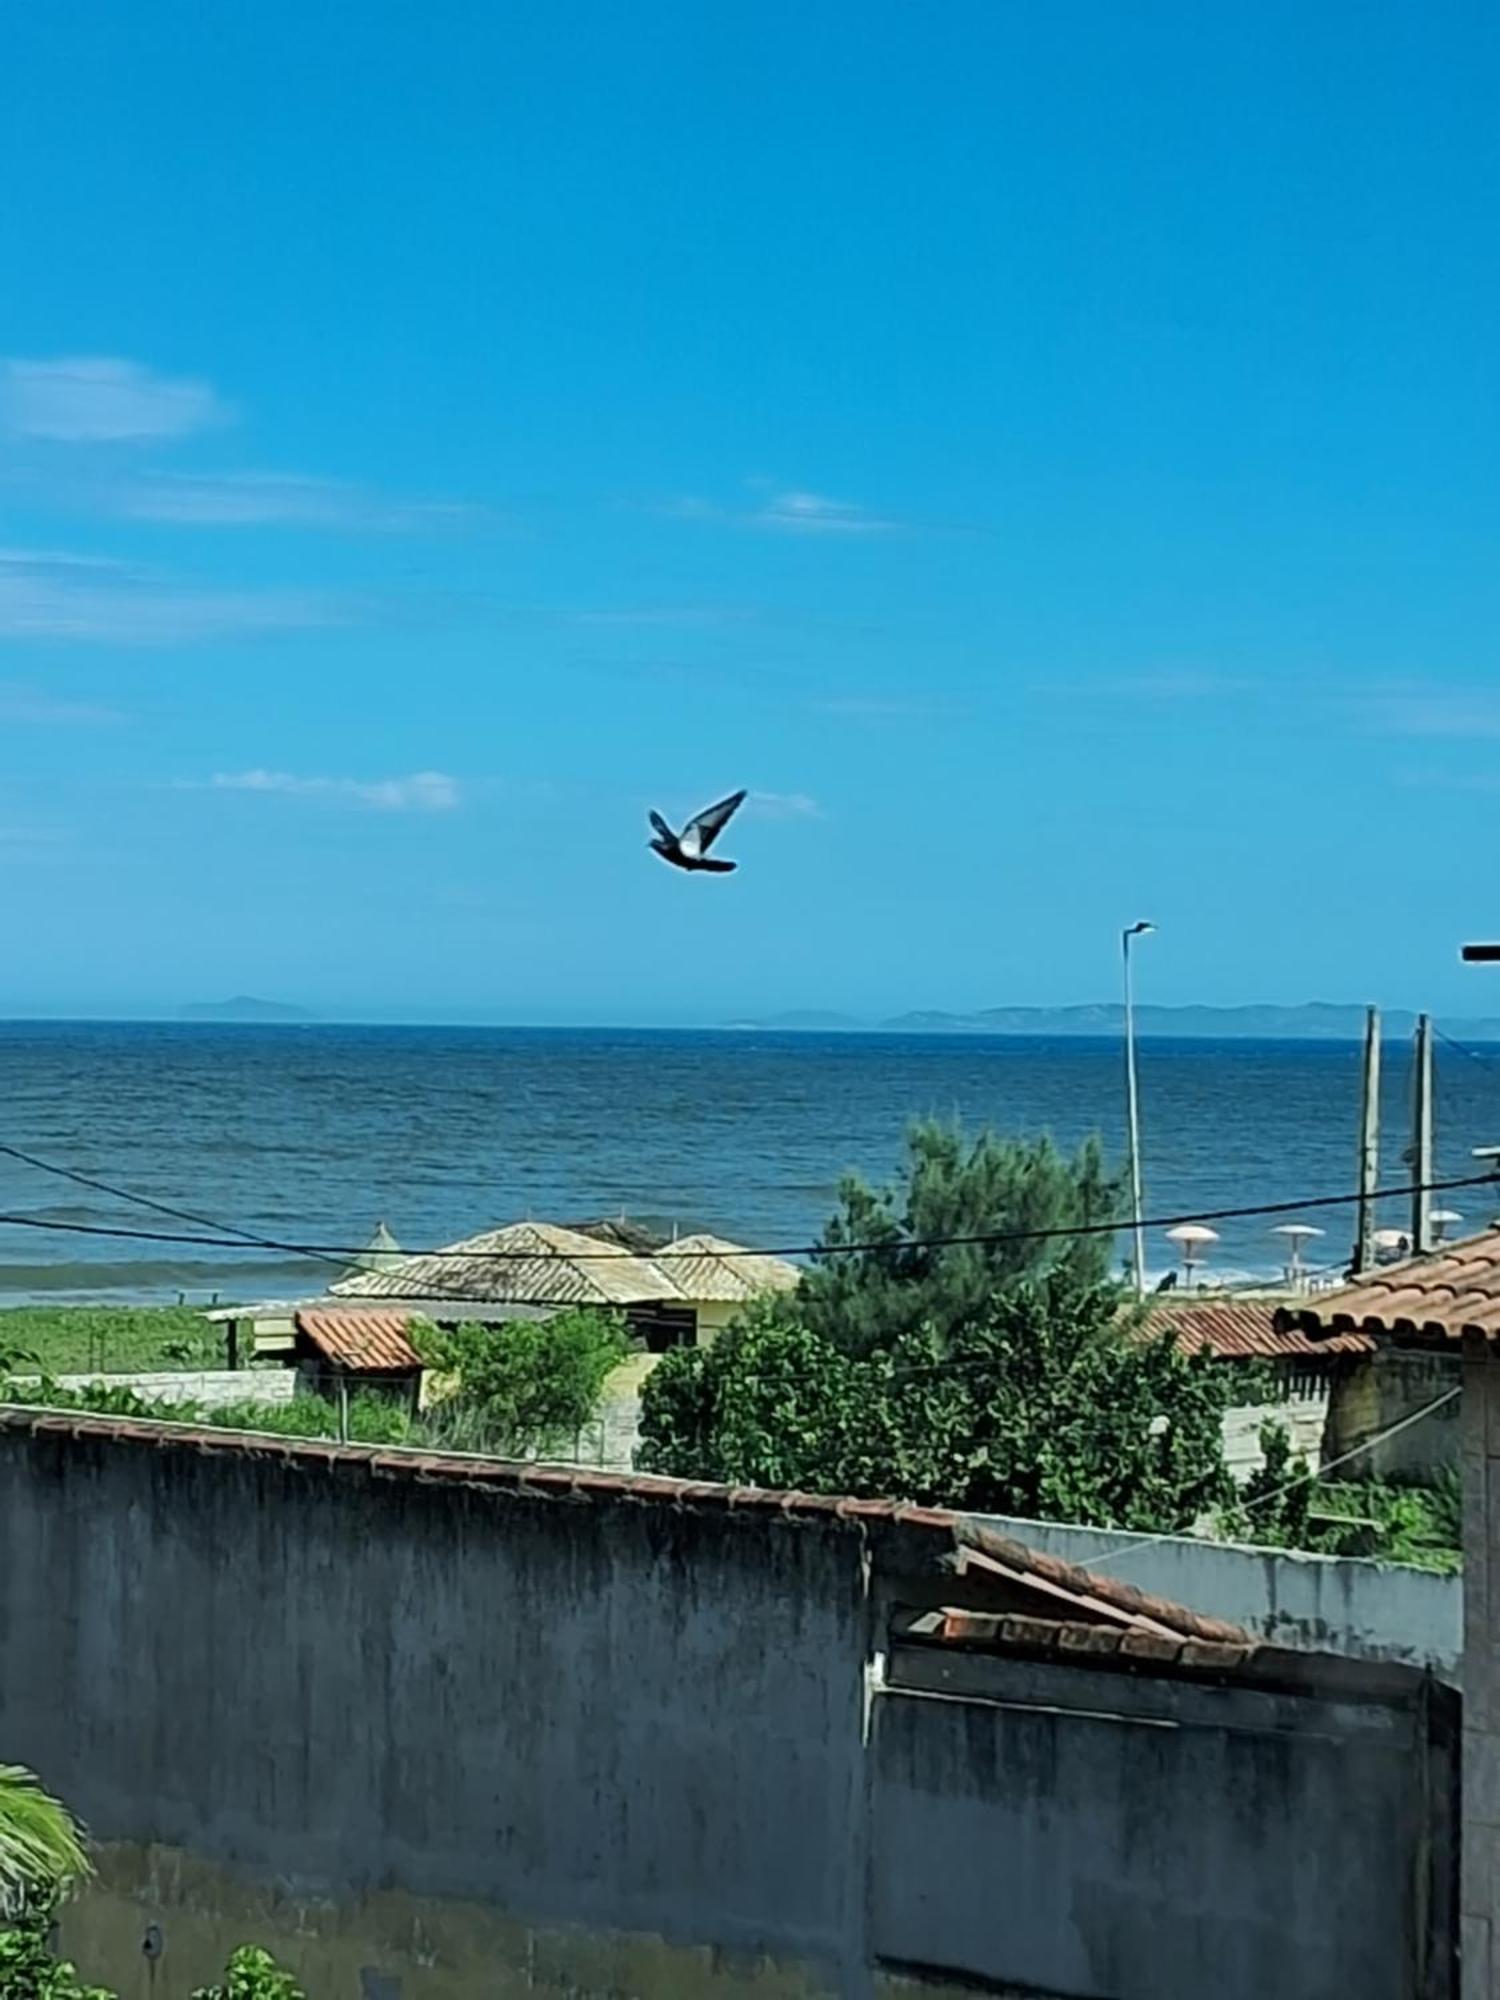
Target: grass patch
x=116, y=1340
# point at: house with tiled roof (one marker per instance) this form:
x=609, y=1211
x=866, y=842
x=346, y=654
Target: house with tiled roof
x=1333, y=1393
x=669, y=1291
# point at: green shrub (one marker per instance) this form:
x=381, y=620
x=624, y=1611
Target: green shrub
x=524, y=1387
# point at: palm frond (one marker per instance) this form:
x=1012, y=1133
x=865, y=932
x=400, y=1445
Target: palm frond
x=41, y=1844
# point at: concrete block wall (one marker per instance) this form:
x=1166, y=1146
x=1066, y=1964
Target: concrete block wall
x=1378, y=1395
x=1303, y=1418
x=431, y=1728
x=210, y=1388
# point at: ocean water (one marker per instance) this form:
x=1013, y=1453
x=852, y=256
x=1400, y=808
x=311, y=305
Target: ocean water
x=315, y=1133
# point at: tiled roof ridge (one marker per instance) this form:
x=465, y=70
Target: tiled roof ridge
x=1279, y=1669
x=1109, y=1590
x=1438, y=1296
x=1243, y=1328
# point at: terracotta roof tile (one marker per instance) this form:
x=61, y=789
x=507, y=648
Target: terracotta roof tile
x=946, y=1535
x=365, y=1340
x=1425, y=1301
x=1090, y=1589
x=1246, y=1330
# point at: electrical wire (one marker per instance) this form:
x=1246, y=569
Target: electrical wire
x=238, y=1238
x=1484, y=1060
x=234, y=1238
x=80, y=1179
x=1309, y=1478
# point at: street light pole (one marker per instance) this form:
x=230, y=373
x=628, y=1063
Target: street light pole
x=1133, y=1111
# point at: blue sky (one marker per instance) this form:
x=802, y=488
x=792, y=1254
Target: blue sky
x=1046, y=449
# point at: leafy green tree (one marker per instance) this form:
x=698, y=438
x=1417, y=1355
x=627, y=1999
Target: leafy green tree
x=766, y=1405
x=524, y=1387
x=1275, y=1502
x=951, y=1186
x=1038, y=1405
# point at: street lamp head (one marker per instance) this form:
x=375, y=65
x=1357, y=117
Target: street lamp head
x=1141, y=929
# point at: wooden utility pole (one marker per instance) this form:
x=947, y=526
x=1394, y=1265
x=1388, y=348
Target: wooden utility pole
x=1369, y=1146
x=1421, y=1137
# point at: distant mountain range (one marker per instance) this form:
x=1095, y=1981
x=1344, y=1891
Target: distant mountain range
x=1318, y=1020
x=242, y=1009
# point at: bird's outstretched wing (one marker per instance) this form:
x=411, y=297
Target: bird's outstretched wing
x=700, y=833
x=659, y=827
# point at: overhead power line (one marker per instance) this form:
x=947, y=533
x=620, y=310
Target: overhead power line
x=1480, y=1056
x=1308, y=1478
x=247, y=1237
x=234, y=1238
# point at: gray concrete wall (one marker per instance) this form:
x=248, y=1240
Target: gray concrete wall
x=631, y=1718
x=1338, y=1604
x=1055, y=1831
x=431, y=1730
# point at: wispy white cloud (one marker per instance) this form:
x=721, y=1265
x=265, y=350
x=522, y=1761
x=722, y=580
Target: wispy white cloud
x=47, y=594
x=783, y=805
x=20, y=703
x=100, y=399
x=96, y=400
x=1435, y=712
x=275, y=499
x=794, y=512
x=422, y=791
x=816, y=514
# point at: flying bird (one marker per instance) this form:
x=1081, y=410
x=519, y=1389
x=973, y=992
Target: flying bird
x=689, y=849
